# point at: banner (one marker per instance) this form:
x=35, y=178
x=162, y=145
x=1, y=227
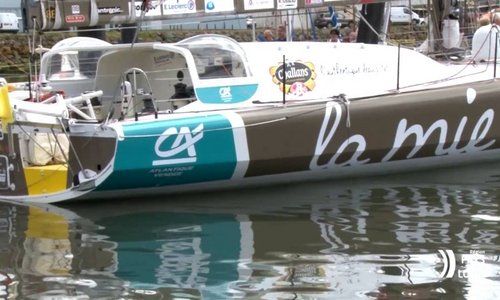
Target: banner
x=107, y=9
x=176, y=7
x=153, y=10
x=212, y=6
x=258, y=4
x=313, y=2
x=287, y=4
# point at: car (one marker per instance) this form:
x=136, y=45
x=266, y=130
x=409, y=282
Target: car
x=9, y=22
x=324, y=20
x=403, y=15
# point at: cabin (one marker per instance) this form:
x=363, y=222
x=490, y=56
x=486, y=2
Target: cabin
x=149, y=77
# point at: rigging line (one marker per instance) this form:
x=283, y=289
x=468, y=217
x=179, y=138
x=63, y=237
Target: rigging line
x=470, y=62
x=280, y=119
x=379, y=35
x=62, y=152
x=144, y=9
x=71, y=144
x=43, y=149
x=34, y=141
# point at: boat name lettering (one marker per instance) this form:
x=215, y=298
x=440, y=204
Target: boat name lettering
x=480, y=131
x=402, y=137
x=185, y=134
x=325, y=138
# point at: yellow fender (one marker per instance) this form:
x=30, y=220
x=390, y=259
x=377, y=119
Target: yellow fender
x=6, y=114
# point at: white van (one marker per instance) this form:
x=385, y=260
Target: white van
x=401, y=14
x=9, y=22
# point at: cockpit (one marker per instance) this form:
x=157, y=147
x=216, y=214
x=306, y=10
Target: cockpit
x=152, y=77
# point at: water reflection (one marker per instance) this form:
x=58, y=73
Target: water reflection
x=374, y=238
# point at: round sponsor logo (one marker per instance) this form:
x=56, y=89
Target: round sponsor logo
x=296, y=72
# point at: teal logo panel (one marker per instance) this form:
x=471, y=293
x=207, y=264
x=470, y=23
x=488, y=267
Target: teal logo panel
x=150, y=251
x=226, y=94
x=171, y=152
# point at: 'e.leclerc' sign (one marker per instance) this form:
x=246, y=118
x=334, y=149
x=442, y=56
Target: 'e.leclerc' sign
x=177, y=7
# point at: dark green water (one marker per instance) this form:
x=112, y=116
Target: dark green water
x=433, y=235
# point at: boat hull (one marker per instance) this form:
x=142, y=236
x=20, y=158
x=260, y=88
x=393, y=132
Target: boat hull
x=276, y=143
x=333, y=139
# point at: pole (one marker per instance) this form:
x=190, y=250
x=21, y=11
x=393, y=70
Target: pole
x=429, y=20
x=284, y=80
x=496, y=52
x=253, y=30
x=399, y=61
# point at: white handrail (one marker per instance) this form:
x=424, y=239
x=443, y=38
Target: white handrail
x=81, y=99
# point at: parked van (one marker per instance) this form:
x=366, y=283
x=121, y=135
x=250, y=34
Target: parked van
x=9, y=22
x=403, y=15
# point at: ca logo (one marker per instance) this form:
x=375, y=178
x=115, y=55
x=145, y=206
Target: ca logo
x=184, y=141
x=225, y=93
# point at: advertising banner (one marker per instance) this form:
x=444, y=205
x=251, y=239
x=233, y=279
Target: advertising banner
x=75, y=13
x=152, y=11
x=109, y=8
x=258, y=4
x=177, y=7
x=313, y=2
x=213, y=6
x=287, y=4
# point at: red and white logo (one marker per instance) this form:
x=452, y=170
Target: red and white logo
x=75, y=19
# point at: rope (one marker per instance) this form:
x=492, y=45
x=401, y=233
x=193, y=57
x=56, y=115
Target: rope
x=470, y=62
x=62, y=152
x=34, y=141
x=280, y=119
x=71, y=144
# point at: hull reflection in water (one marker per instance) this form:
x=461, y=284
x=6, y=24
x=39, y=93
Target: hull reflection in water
x=374, y=238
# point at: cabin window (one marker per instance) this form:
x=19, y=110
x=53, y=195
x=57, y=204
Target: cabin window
x=214, y=63
x=217, y=57
x=73, y=65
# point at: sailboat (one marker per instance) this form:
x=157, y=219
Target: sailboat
x=208, y=113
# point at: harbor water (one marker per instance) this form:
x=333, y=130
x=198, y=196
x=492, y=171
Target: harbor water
x=431, y=235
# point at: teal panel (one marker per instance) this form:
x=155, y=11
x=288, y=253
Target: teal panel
x=226, y=94
x=170, y=152
x=162, y=249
